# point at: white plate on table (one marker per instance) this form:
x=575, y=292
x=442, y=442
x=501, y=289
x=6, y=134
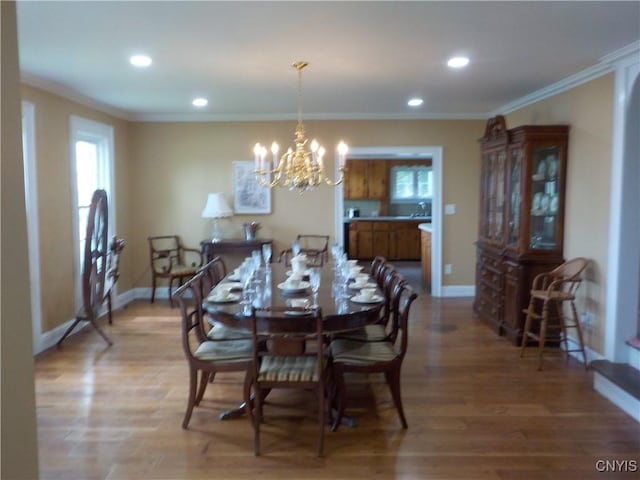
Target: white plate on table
x=366, y=285
x=302, y=286
x=373, y=299
x=232, y=297
x=232, y=285
x=297, y=313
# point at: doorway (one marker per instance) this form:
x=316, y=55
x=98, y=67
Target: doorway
x=395, y=153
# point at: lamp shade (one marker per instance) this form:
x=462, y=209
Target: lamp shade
x=216, y=207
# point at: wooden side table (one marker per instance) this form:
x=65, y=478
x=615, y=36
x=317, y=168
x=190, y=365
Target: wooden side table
x=211, y=249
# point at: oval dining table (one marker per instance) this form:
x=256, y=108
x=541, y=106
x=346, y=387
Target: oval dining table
x=340, y=312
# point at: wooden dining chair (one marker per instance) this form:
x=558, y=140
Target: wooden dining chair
x=386, y=328
x=170, y=259
x=315, y=247
x=205, y=357
x=376, y=264
x=351, y=356
x=213, y=273
x=293, y=360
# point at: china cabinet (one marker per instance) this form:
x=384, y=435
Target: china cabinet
x=522, y=197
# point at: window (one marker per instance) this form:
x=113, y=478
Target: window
x=411, y=183
x=92, y=168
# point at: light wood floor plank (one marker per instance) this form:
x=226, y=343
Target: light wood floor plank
x=475, y=411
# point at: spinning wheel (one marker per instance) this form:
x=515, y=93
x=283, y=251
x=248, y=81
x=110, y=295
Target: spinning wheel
x=94, y=266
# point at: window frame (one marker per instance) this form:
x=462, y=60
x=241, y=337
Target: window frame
x=414, y=169
x=102, y=135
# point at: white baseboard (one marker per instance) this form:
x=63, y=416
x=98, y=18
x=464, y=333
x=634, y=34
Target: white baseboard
x=605, y=387
x=617, y=396
x=591, y=354
x=49, y=338
x=458, y=291
x=634, y=357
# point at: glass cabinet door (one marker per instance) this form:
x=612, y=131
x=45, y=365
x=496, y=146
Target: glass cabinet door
x=493, y=202
x=544, y=199
x=515, y=195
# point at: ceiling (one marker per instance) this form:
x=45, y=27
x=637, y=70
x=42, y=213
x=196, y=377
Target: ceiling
x=366, y=59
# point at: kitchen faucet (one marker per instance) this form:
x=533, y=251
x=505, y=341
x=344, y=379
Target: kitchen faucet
x=421, y=212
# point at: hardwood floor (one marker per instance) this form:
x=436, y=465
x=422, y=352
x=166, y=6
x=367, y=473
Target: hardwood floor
x=475, y=411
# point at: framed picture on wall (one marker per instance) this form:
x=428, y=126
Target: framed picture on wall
x=248, y=195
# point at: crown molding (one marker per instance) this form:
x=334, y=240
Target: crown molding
x=625, y=54
x=72, y=95
x=185, y=117
x=605, y=65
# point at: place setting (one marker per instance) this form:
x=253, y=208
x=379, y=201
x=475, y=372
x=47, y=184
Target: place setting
x=367, y=295
x=362, y=280
x=223, y=294
x=293, y=284
x=300, y=307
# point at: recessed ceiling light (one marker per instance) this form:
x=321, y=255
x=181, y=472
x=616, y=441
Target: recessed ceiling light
x=415, y=102
x=200, y=102
x=140, y=60
x=458, y=62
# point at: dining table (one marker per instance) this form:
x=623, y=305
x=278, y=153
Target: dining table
x=343, y=306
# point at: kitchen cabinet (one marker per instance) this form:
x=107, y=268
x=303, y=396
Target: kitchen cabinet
x=365, y=179
x=521, y=230
x=426, y=258
x=405, y=241
x=394, y=240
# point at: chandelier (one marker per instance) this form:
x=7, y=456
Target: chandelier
x=301, y=168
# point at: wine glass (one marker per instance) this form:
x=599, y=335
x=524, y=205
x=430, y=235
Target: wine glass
x=266, y=253
x=336, y=251
x=295, y=248
x=314, y=279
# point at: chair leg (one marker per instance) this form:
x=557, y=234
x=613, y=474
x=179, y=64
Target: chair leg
x=579, y=333
x=204, y=379
x=153, y=288
x=393, y=380
x=527, y=327
x=257, y=399
x=543, y=333
x=564, y=338
x=170, y=296
x=339, y=397
x=321, y=419
x=248, y=399
x=193, y=381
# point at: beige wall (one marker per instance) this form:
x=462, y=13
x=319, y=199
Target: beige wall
x=18, y=442
x=52, y=129
x=165, y=170
x=175, y=165
x=588, y=109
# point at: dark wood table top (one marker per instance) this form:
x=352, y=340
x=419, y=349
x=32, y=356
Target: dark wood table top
x=339, y=314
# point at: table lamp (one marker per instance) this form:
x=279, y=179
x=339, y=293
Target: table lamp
x=216, y=208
